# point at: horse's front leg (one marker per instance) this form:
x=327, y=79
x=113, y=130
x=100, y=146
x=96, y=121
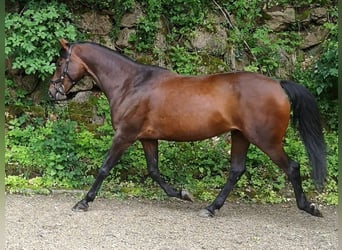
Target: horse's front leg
x=151, y=154
x=119, y=145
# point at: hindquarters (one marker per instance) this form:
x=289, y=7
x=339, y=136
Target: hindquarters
x=267, y=123
x=264, y=111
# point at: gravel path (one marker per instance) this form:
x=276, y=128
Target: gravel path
x=47, y=222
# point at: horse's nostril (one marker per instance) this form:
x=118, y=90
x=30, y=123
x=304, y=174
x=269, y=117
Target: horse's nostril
x=61, y=90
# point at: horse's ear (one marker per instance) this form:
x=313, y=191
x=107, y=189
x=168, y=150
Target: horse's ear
x=64, y=43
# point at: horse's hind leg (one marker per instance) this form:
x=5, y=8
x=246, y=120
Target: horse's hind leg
x=151, y=154
x=238, y=159
x=302, y=203
x=292, y=170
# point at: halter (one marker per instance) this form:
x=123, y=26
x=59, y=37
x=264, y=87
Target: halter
x=60, y=88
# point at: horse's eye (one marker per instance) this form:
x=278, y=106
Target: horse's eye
x=58, y=64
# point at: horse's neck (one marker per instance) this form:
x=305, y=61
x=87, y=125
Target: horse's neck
x=110, y=71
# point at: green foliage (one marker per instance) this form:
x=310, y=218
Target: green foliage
x=265, y=46
x=119, y=8
x=268, y=49
x=326, y=69
x=321, y=78
x=183, y=61
x=183, y=16
x=148, y=25
x=299, y=3
x=98, y=5
x=19, y=185
x=14, y=96
x=245, y=13
x=62, y=151
x=65, y=154
x=32, y=35
x=182, y=163
x=132, y=165
x=263, y=181
x=45, y=149
x=245, y=21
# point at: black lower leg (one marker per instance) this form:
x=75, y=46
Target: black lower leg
x=170, y=191
x=234, y=176
x=151, y=154
x=302, y=203
x=90, y=196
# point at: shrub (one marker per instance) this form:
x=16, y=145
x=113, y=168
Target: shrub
x=32, y=35
x=321, y=76
x=44, y=149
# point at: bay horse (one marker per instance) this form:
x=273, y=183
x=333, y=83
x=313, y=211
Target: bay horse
x=150, y=103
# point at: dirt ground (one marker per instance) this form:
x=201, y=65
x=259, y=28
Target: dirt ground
x=47, y=222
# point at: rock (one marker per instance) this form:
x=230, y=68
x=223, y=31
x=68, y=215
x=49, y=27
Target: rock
x=103, y=40
x=303, y=16
x=319, y=15
x=211, y=64
x=314, y=36
x=160, y=40
x=87, y=83
x=82, y=97
x=236, y=59
x=130, y=20
x=280, y=20
x=123, y=38
x=287, y=62
x=213, y=42
x=29, y=82
x=160, y=44
x=94, y=23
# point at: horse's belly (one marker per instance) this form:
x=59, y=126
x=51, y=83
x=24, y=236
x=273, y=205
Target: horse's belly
x=187, y=127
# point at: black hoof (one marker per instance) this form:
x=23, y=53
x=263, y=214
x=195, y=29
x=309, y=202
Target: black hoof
x=314, y=210
x=186, y=196
x=205, y=213
x=81, y=206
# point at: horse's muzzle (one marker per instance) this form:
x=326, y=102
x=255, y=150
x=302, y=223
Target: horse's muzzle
x=55, y=94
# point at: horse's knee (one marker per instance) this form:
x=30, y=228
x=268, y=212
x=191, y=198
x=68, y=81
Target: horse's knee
x=239, y=171
x=236, y=173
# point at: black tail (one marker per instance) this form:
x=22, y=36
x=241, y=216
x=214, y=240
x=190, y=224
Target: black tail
x=306, y=119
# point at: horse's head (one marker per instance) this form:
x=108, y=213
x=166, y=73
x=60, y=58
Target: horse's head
x=69, y=70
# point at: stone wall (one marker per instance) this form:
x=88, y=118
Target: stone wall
x=98, y=27
x=218, y=55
